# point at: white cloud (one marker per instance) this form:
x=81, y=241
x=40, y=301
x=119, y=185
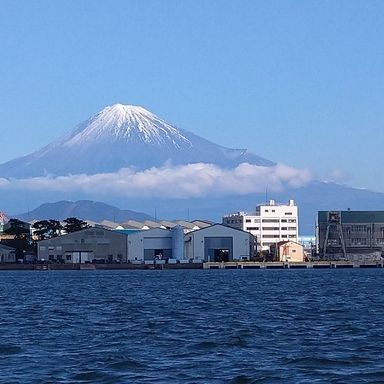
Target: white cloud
x=338, y=176
x=184, y=181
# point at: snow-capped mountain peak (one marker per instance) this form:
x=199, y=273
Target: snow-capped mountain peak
x=124, y=136
x=128, y=123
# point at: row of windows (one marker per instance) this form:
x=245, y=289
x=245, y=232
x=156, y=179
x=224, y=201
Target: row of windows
x=270, y=228
x=277, y=236
x=271, y=220
x=235, y=221
x=273, y=210
x=278, y=228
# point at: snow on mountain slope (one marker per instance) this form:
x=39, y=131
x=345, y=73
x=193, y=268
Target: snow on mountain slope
x=128, y=123
x=123, y=136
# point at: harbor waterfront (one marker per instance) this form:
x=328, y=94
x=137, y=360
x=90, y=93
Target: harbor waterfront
x=192, y=326
x=208, y=265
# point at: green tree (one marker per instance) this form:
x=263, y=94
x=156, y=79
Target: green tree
x=18, y=237
x=46, y=229
x=17, y=228
x=73, y=224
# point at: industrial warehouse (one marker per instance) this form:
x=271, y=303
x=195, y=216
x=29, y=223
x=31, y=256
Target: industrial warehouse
x=350, y=235
x=156, y=245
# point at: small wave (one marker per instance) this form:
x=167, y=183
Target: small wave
x=124, y=365
x=9, y=349
x=206, y=345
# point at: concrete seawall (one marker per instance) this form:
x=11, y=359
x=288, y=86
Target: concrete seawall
x=284, y=265
x=208, y=265
x=71, y=267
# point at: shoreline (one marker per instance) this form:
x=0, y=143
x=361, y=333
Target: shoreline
x=183, y=266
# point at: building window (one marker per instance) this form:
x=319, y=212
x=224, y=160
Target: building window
x=252, y=228
x=247, y=220
x=271, y=228
x=68, y=257
x=270, y=220
x=288, y=213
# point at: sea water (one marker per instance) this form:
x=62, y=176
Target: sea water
x=192, y=326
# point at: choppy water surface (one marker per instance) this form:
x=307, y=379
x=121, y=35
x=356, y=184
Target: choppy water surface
x=242, y=326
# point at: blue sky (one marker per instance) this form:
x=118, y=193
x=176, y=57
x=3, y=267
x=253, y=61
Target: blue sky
x=297, y=82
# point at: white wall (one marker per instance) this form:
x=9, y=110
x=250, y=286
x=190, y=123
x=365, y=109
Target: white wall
x=156, y=238
x=292, y=252
x=195, y=246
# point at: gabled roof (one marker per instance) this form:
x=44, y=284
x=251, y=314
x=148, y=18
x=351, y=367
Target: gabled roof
x=58, y=238
x=149, y=231
x=109, y=224
x=152, y=224
x=168, y=224
x=203, y=223
x=224, y=226
x=186, y=224
x=133, y=224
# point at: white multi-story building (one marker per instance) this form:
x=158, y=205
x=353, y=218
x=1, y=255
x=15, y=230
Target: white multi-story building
x=271, y=223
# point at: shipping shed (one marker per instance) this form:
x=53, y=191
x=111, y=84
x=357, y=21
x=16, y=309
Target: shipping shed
x=91, y=245
x=218, y=243
x=150, y=245
x=288, y=251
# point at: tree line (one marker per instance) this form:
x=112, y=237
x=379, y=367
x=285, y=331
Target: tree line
x=20, y=237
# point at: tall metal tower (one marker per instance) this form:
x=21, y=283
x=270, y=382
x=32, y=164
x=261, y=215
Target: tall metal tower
x=334, y=224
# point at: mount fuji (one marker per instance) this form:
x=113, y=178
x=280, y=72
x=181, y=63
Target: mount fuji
x=122, y=136
x=126, y=155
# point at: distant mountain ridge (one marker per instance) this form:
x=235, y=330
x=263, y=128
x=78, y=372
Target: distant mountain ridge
x=123, y=136
x=82, y=209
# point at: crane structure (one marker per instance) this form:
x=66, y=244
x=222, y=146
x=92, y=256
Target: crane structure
x=334, y=224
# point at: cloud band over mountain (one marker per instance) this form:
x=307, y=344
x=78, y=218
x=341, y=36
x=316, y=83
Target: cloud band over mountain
x=171, y=181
